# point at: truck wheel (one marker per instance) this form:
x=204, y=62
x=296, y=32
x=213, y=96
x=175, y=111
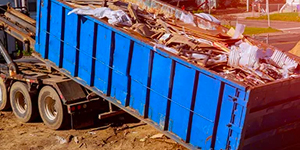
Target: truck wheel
x=4, y=102
x=22, y=102
x=52, y=111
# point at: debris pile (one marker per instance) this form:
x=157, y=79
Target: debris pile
x=196, y=40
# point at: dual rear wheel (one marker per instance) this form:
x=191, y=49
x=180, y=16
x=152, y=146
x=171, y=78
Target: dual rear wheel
x=4, y=101
x=23, y=103
x=27, y=106
x=52, y=111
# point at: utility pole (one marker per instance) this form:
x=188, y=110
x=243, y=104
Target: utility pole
x=268, y=12
x=209, y=2
x=247, y=5
x=16, y=3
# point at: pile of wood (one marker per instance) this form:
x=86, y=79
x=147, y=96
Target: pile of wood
x=196, y=40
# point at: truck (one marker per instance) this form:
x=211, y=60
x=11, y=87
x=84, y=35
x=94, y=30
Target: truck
x=82, y=67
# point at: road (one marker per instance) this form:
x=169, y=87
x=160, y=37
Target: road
x=284, y=41
x=285, y=26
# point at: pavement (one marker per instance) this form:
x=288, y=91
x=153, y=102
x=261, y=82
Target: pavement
x=284, y=40
x=285, y=26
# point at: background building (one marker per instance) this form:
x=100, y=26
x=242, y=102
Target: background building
x=291, y=6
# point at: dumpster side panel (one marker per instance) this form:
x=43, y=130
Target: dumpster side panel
x=86, y=53
x=43, y=33
x=56, y=29
x=38, y=27
x=160, y=84
x=70, y=42
x=139, y=74
x=182, y=93
x=206, y=104
x=104, y=46
x=190, y=104
x=273, y=118
x=119, y=88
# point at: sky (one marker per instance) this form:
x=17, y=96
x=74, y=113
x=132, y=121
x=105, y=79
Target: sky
x=5, y=1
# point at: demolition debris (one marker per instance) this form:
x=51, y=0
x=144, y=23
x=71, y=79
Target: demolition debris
x=194, y=39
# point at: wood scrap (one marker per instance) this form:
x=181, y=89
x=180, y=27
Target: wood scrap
x=160, y=22
x=142, y=29
x=222, y=46
x=203, y=43
x=118, y=5
x=87, y=2
x=179, y=39
x=296, y=50
x=133, y=13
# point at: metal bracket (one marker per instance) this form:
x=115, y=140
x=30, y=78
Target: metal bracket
x=110, y=114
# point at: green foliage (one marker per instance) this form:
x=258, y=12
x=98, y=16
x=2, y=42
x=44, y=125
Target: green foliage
x=25, y=53
x=198, y=11
x=256, y=30
x=293, y=16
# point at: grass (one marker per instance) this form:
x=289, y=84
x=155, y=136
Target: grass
x=256, y=30
x=198, y=11
x=25, y=53
x=293, y=16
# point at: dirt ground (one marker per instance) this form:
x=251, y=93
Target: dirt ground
x=111, y=135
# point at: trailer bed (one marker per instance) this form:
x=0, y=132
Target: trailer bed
x=194, y=106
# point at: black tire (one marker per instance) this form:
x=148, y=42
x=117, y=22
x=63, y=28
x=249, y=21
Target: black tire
x=4, y=101
x=51, y=109
x=22, y=103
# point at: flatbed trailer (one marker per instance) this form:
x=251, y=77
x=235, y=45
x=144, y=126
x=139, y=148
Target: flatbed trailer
x=93, y=61
x=27, y=75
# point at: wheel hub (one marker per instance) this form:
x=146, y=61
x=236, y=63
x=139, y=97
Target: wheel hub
x=20, y=102
x=50, y=109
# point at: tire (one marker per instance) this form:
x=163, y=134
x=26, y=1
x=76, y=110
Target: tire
x=51, y=109
x=4, y=101
x=23, y=104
